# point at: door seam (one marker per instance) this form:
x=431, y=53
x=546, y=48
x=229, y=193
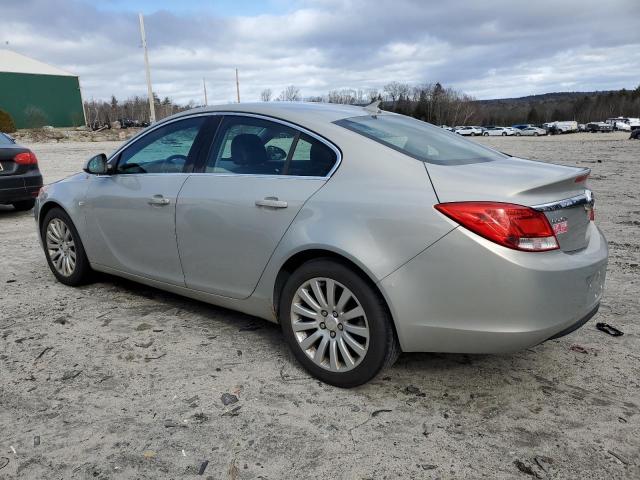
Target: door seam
x=175, y=230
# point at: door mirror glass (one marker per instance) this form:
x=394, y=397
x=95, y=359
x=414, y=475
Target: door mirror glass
x=97, y=165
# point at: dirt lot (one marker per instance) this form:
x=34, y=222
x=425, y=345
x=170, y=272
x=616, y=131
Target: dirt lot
x=117, y=380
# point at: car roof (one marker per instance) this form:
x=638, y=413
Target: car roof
x=308, y=114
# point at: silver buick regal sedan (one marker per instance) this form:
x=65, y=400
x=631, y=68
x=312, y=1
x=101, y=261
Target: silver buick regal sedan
x=363, y=233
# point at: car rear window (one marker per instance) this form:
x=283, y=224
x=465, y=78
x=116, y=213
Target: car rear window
x=420, y=140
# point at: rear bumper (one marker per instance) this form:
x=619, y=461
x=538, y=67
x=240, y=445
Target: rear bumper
x=16, y=188
x=466, y=294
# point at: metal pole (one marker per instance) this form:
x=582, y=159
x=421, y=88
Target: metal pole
x=237, y=86
x=152, y=108
x=204, y=86
x=84, y=109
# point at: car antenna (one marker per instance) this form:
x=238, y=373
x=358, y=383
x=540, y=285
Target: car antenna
x=373, y=108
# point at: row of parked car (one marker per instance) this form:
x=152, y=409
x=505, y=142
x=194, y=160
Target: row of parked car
x=490, y=131
x=551, y=128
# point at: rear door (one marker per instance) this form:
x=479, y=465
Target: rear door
x=232, y=213
x=131, y=213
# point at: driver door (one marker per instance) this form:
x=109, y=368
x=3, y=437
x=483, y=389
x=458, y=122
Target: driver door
x=131, y=213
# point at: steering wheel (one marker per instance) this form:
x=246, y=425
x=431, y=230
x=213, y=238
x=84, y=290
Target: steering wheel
x=276, y=153
x=176, y=161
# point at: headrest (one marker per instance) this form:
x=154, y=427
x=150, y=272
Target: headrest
x=247, y=149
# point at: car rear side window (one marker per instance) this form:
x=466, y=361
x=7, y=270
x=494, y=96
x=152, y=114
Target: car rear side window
x=420, y=140
x=4, y=140
x=311, y=158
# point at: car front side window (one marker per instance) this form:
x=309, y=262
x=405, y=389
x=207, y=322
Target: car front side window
x=164, y=150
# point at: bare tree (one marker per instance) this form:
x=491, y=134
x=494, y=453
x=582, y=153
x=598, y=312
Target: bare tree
x=396, y=91
x=373, y=94
x=265, y=95
x=289, y=94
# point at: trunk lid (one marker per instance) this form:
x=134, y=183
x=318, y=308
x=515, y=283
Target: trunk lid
x=7, y=165
x=559, y=191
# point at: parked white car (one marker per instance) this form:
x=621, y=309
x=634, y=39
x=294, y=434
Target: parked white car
x=472, y=131
x=566, y=126
x=623, y=123
x=498, y=131
x=531, y=131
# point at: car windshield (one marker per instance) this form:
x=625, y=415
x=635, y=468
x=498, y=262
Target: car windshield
x=420, y=140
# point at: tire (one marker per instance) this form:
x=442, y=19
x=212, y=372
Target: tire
x=504, y=134
x=485, y=134
x=24, y=205
x=535, y=134
x=518, y=134
x=381, y=349
x=81, y=271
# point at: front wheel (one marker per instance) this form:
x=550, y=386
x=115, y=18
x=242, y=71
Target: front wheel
x=504, y=134
x=336, y=324
x=486, y=134
x=63, y=248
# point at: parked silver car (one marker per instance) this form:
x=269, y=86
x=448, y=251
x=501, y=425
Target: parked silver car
x=363, y=233
x=531, y=131
x=468, y=131
x=498, y=131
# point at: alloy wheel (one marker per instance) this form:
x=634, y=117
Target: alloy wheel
x=61, y=247
x=330, y=324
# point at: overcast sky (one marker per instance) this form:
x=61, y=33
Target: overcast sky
x=488, y=49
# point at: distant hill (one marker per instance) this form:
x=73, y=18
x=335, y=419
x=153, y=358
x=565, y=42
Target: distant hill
x=581, y=106
x=545, y=97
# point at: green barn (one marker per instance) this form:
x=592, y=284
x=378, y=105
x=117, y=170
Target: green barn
x=36, y=94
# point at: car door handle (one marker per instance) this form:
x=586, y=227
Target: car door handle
x=271, y=202
x=159, y=200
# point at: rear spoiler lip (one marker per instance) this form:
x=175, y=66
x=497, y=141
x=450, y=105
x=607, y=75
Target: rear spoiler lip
x=585, y=198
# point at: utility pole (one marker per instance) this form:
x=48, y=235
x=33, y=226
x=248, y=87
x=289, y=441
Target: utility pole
x=237, y=86
x=204, y=86
x=152, y=108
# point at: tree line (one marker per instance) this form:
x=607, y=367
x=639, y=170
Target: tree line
x=431, y=102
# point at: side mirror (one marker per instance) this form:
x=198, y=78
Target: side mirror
x=97, y=165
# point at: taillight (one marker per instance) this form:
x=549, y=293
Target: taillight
x=507, y=224
x=582, y=178
x=26, y=158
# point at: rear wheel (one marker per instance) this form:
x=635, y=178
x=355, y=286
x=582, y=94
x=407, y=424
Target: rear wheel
x=63, y=248
x=24, y=205
x=336, y=324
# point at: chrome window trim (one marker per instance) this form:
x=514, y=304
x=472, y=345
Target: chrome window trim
x=585, y=198
x=299, y=128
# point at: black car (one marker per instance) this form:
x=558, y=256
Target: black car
x=595, y=127
x=20, y=178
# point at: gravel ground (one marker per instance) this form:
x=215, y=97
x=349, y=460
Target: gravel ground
x=118, y=380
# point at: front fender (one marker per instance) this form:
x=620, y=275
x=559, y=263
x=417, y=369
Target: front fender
x=68, y=194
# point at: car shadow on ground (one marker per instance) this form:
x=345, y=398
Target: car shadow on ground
x=7, y=211
x=216, y=319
